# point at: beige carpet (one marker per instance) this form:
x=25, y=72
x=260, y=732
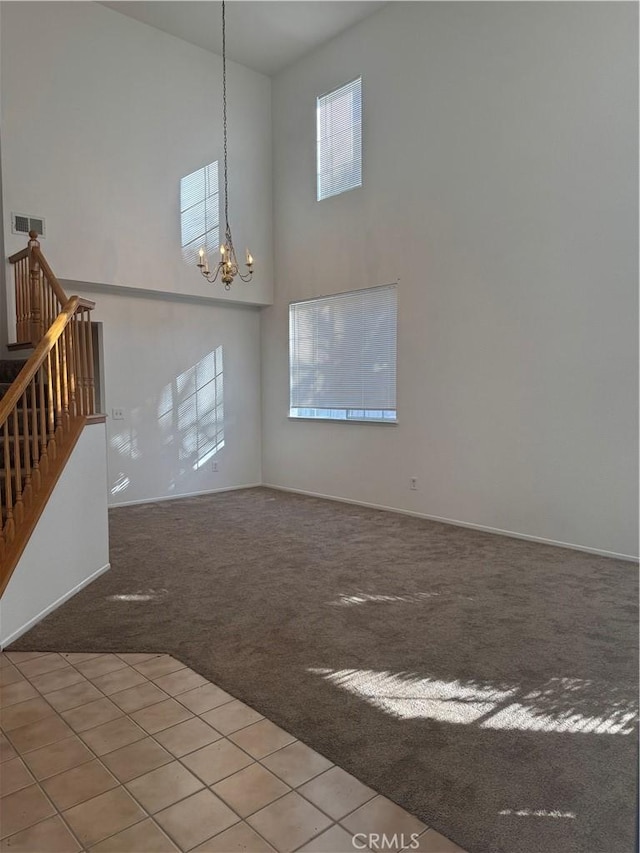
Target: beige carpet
x=487, y=684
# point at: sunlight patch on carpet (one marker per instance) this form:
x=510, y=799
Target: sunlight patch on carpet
x=566, y=705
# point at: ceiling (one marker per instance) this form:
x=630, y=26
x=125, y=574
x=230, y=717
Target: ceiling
x=266, y=36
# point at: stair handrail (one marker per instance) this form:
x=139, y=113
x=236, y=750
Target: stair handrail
x=37, y=359
x=41, y=417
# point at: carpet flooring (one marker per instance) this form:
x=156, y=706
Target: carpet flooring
x=487, y=684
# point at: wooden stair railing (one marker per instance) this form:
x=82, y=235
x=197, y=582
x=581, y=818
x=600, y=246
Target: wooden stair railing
x=45, y=408
x=39, y=294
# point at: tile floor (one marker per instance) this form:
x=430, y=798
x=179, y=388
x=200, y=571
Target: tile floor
x=136, y=752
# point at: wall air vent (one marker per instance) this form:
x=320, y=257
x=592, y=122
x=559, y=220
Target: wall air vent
x=22, y=224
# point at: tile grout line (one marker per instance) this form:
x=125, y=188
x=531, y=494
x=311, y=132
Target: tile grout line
x=223, y=737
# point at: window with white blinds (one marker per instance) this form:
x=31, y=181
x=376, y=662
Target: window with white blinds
x=339, y=140
x=200, y=213
x=342, y=356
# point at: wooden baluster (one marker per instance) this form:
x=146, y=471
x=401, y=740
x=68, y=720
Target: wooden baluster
x=27, y=491
x=17, y=274
x=35, y=450
x=91, y=390
x=18, y=508
x=64, y=365
x=71, y=356
x=44, y=450
x=51, y=424
x=36, y=323
x=10, y=525
x=24, y=333
x=82, y=371
x=57, y=389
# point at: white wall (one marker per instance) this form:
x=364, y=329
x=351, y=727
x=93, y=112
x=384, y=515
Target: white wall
x=500, y=186
x=101, y=117
x=158, y=365
x=69, y=546
x=98, y=127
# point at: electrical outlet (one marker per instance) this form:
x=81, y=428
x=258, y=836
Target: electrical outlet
x=214, y=467
x=413, y=483
x=117, y=414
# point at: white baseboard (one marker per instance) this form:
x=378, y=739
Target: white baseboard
x=456, y=523
x=185, y=495
x=6, y=641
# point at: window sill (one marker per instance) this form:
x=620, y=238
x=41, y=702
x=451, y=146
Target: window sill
x=345, y=421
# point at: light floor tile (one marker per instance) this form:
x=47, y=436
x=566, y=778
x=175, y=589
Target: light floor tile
x=100, y=666
x=92, y=714
x=195, y=819
x=73, y=696
x=296, y=763
x=133, y=658
x=261, y=738
x=144, y=837
x=103, y=816
x=216, y=761
x=204, y=698
x=80, y=657
x=241, y=838
x=35, y=735
x=137, y=759
x=41, y=664
x=231, y=717
x=121, y=679
x=163, y=787
x=10, y=675
x=187, y=736
x=23, y=657
x=57, y=679
x=154, y=718
x=336, y=792
x=14, y=776
x=382, y=817
x=135, y=698
x=250, y=789
x=23, y=809
x=180, y=681
x=7, y=752
x=334, y=840
x=161, y=665
x=79, y=784
x=24, y=713
x=57, y=757
x=19, y=691
x=50, y=835
x=289, y=822
x=112, y=735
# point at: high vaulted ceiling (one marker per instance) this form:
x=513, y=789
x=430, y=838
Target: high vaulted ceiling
x=266, y=36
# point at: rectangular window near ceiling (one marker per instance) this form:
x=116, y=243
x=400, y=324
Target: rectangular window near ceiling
x=200, y=213
x=342, y=356
x=339, y=140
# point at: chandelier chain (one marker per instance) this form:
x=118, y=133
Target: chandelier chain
x=227, y=268
x=224, y=116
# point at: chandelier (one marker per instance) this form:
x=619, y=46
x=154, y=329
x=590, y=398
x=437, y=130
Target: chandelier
x=227, y=267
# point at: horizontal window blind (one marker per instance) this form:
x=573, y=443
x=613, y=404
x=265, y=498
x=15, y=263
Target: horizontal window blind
x=339, y=140
x=342, y=355
x=200, y=212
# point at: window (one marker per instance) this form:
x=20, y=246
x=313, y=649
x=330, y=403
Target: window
x=342, y=356
x=339, y=140
x=200, y=212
